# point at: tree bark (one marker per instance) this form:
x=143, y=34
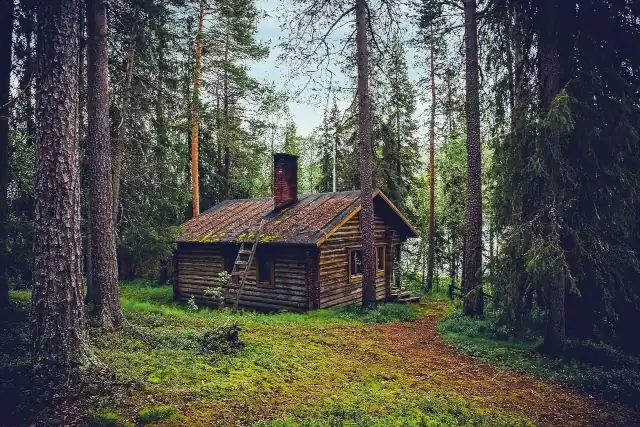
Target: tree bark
x=103, y=298
x=226, y=165
x=195, y=115
x=432, y=173
x=121, y=130
x=60, y=341
x=554, y=339
x=473, y=301
x=6, y=40
x=366, y=161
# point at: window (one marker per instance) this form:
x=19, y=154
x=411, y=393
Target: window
x=264, y=271
x=355, y=265
x=380, y=260
x=230, y=255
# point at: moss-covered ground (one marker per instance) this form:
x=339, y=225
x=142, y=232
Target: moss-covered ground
x=386, y=367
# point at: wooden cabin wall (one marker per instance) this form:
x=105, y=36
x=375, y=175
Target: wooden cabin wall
x=335, y=289
x=198, y=266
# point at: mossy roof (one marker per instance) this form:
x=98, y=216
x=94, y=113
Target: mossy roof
x=307, y=221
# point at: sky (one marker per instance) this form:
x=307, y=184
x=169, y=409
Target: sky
x=305, y=113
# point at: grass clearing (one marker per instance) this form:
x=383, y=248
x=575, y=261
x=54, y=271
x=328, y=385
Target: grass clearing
x=346, y=367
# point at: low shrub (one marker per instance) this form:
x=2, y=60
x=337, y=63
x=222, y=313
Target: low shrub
x=598, y=369
x=221, y=340
x=106, y=418
x=383, y=313
x=159, y=413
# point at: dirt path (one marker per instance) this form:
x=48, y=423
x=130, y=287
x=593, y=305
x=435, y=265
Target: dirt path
x=435, y=364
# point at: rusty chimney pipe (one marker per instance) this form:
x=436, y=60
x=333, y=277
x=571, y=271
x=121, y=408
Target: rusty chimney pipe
x=285, y=180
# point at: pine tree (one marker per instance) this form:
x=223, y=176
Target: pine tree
x=195, y=113
x=6, y=40
x=399, y=162
x=59, y=337
x=366, y=161
x=102, y=292
x=291, y=140
x=473, y=301
x=432, y=171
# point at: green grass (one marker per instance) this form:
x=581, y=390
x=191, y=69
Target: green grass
x=594, y=368
x=148, y=416
x=323, y=368
x=106, y=417
x=145, y=298
x=408, y=411
x=310, y=363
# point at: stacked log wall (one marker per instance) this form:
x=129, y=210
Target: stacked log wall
x=335, y=289
x=198, y=267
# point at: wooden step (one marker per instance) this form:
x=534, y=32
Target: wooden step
x=239, y=262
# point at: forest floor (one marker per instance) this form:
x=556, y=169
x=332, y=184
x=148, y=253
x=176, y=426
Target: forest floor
x=327, y=368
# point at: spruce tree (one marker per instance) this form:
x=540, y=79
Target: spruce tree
x=6, y=40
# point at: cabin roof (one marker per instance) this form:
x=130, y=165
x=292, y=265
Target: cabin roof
x=310, y=220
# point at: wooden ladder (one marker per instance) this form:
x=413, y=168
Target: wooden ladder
x=243, y=263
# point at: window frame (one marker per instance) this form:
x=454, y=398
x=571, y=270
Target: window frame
x=381, y=272
x=270, y=283
x=353, y=278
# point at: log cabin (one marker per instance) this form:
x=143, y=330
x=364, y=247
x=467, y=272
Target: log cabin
x=307, y=248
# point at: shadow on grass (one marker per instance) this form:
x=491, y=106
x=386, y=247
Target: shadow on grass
x=21, y=399
x=590, y=367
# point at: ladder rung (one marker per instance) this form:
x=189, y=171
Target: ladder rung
x=237, y=273
x=244, y=251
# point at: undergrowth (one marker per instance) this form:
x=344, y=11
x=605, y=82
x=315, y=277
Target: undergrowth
x=415, y=411
x=213, y=367
x=590, y=367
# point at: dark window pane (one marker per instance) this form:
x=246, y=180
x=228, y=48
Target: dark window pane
x=380, y=258
x=264, y=270
x=356, y=263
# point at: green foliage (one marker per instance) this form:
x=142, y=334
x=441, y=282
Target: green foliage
x=416, y=411
x=590, y=367
x=383, y=313
x=565, y=200
x=398, y=153
x=148, y=416
x=106, y=418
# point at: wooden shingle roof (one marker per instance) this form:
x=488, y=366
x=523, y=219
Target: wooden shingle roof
x=308, y=221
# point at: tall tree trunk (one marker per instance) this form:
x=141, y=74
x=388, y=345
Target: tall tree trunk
x=121, y=129
x=59, y=337
x=554, y=339
x=473, y=302
x=6, y=39
x=104, y=298
x=366, y=160
x=195, y=115
x=432, y=171
x=226, y=165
